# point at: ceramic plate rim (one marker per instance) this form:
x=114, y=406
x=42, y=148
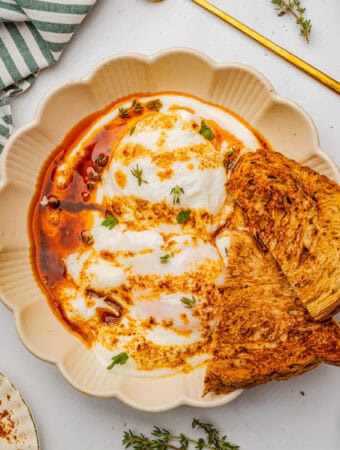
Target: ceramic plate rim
x=87, y=80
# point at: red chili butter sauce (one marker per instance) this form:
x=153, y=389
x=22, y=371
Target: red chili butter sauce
x=62, y=225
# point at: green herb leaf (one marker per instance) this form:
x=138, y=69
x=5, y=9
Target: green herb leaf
x=95, y=176
x=137, y=107
x=189, y=302
x=87, y=238
x=138, y=173
x=176, y=192
x=154, y=105
x=200, y=444
x=102, y=160
x=163, y=439
x=295, y=8
x=119, y=359
x=231, y=151
x=183, y=216
x=110, y=222
x=213, y=436
x=166, y=258
x=132, y=130
x=206, y=131
x=124, y=113
x=231, y=165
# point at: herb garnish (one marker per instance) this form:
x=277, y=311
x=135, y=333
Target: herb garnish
x=176, y=192
x=231, y=151
x=110, y=222
x=231, y=165
x=87, y=238
x=102, y=160
x=183, y=216
x=132, y=130
x=228, y=154
x=95, y=176
x=124, y=113
x=120, y=359
x=163, y=439
x=295, y=8
x=138, y=173
x=137, y=107
x=154, y=105
x=166, y=258
x=90, y=186
x=189, y=302
x=206, y=131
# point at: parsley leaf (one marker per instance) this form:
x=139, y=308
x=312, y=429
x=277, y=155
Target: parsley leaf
x=110, y=222
x=183, y=216
x=120, y=359
x=206, y=131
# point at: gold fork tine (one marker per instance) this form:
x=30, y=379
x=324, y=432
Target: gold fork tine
x=280, y=51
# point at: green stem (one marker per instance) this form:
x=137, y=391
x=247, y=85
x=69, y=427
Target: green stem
x=192, y=441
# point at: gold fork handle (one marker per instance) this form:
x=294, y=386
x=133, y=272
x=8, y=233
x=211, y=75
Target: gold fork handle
x=285, y=54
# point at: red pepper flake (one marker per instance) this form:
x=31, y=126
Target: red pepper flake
x=7, y=426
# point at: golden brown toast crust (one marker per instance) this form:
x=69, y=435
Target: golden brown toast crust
x=296, y=215
x=264, y=332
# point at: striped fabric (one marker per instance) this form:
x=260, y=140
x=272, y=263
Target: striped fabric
x=33, y=34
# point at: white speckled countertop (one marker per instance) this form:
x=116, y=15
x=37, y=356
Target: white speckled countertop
x=272, y=417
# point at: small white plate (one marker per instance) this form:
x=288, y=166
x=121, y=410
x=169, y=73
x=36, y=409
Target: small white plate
x=17, y=429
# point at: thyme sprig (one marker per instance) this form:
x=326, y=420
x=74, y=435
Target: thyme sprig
x=137, y=107
x=163, y=439
x=124, y=113
x=176, y=192
x=295, y=8
x=189, y=302
x=154, y=105
x=138, y=173
x=164, y=259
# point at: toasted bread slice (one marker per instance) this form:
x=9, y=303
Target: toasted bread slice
x=295, y=213
x=264, y=333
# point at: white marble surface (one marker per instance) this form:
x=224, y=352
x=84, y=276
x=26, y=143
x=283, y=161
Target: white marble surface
x=272, y=417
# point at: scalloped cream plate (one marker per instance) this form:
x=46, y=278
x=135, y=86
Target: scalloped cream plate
x=239, y=88
x=16, y=422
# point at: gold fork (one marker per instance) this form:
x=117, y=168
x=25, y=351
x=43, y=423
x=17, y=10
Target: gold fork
x=280, y=51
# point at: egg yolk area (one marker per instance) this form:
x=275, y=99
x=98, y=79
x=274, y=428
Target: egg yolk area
x=124, y=227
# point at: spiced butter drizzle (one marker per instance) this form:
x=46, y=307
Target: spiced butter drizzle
x=58, y=220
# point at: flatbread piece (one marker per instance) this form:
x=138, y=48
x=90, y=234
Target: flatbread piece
x=264, y=333
x=295, y=213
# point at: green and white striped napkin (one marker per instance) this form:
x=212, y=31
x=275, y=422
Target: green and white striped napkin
x=33, y=34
